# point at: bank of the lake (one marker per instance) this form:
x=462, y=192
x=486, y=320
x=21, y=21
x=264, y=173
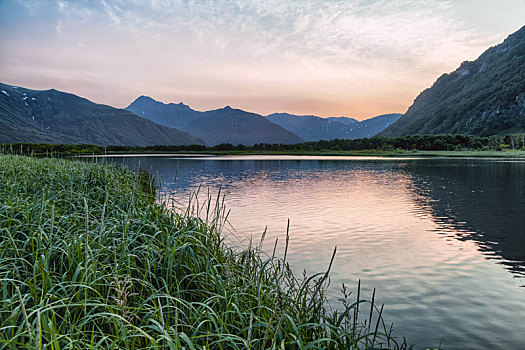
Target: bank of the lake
x=93, y=150
x=365, y=153
x=88, y=259
x=446, y=145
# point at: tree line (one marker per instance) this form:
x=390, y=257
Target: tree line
x=446, y=142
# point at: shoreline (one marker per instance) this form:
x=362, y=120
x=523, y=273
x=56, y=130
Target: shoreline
x=510, y=154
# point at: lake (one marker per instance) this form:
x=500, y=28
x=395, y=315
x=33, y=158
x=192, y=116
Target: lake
x=442, y=240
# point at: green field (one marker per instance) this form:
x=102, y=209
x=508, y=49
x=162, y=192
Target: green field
x=88, y=259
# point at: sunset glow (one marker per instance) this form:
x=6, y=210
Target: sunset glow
x=329, y=58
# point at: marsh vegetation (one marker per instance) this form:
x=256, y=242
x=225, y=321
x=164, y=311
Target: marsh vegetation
x=89, y=259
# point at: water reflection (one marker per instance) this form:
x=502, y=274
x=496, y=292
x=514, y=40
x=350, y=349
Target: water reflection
x=421, y=231
x=483, y=201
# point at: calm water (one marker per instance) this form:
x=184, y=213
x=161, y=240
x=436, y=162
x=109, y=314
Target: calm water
x=443, y=241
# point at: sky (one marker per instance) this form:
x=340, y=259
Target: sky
x=355, y=58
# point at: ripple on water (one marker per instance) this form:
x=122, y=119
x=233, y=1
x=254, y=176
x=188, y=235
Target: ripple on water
x=440, y=240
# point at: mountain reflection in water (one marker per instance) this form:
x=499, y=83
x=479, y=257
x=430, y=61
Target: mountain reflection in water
x=483, y=201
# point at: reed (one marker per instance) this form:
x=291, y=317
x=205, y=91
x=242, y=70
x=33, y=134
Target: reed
x=89, y=259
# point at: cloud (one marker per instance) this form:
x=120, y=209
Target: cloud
x=58, y=28
x=61, y=5
x=307, y=31
x=344, y=52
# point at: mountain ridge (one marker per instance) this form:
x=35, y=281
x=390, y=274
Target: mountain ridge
x=223, y=125
x=314, y=128
x=181, y=116
x=481, y=97
x=52, y=116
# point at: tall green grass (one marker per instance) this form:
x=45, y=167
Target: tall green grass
x=88, y=259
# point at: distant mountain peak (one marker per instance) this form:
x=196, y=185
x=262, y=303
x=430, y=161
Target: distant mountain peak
x=146, y=100
x=223, y=125
x=179, y=105
x=314, y=128
x=52, y=116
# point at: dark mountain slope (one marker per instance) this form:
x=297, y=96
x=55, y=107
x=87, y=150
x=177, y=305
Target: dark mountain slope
x=239, y=127
x=343, y=120
x=226, y=125
x=52, y=116
x=483, y=97
x=373, y=126
x=312, y=128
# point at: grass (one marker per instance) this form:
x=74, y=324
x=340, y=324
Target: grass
x=88, y=259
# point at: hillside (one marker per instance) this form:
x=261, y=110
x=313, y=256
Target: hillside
x=344, y=120
x=225, y=125
x=313, y=128
x=482, y=97
x=51, y=116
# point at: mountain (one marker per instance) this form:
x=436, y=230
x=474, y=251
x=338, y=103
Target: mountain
x=309, y=127
x=373, y=126
x=344, y=120
x=51, y=116
x=312, y=128
x=225, y=125
x=482, y=97
x=173, y=115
